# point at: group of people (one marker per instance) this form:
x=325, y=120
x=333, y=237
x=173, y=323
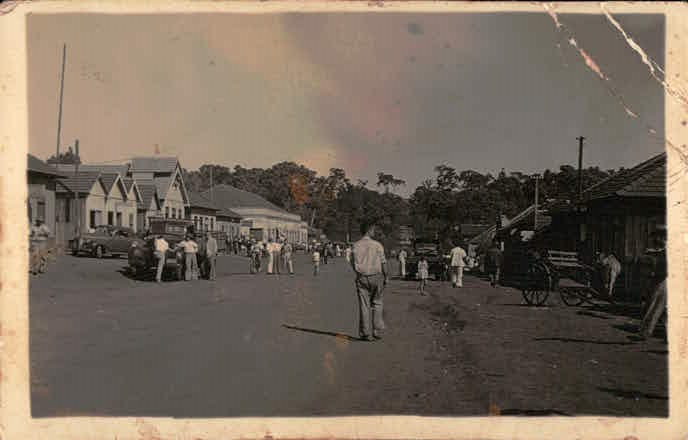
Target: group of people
x=207, y=248
x=279, y=253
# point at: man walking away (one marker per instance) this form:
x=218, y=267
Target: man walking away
x=457, y=255
x=493, y=263
x=271, y=256
x=402, y=262
x=422, y=274
x=211, y=255
x=316, y=261
x=286, y=256
x=161, y=246
x=370, y=266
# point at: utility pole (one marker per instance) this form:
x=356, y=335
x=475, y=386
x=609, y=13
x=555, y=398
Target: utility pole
x=535, y=211
x=59, y=110
x=77, y=211
x=580, y=167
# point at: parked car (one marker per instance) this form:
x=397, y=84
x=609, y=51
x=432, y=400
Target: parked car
x=431, y=250
x=141, y=254
x=104, y=240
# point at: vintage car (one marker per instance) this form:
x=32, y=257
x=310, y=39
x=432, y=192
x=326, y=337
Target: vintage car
x=431, y=250
x=104, y=240
x=141, y=256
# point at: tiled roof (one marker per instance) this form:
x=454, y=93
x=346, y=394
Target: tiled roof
x=109, y=179
x=147, y=189
x=155, y=164
x=647, y=179
x=162, y=184
x=82, y=182
x=228, y=197
x=35, y=165
x=196, y=200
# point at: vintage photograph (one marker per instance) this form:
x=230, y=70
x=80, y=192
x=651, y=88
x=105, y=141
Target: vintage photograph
x=332, y=214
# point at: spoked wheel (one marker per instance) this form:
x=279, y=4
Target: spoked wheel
x=571, y=296
x=537, y=291
x=535, y=296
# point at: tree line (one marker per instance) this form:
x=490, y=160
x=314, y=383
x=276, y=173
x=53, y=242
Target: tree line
x=336, y=204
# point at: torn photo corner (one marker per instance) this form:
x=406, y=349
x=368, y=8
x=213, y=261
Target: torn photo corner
x=351, y=220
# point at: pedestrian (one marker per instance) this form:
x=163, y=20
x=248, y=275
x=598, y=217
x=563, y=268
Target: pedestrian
x=211, y=255
x=347, y=254
x=457, y=264
x=161, y=246
x=402, y=262
x=493, y=263
x=271, y=256
x=316, y=261
x=611, y=268
x=655, y=270
x=338, y=251
x=277, y=259
x=370, y=267
x=190, y=261
x=40, y=231
x=423, y=274
x=325, y=253
x=254, y=255
x=287, y=250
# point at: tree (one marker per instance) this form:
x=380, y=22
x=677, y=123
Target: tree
x=388, y=180
x=68, y=157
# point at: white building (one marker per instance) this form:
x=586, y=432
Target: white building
x=263, y=220
x=166, y=175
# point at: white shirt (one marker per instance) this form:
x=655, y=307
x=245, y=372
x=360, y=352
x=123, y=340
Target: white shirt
x=368, y=256
x=161, y=245
x=402, y=255
x=316, y=257
x=457, y=255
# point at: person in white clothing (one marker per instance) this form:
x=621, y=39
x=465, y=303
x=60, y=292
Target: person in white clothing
x=161, y=247
x=402, y=262
x=611, y=270
x=457, y=256
x=270, y=249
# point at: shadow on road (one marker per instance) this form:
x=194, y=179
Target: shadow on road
x=630, y=394
x=584, y=341
x=321, y=332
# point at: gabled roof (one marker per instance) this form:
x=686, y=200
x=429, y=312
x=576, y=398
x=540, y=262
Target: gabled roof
x=148, y=191
x=81, y=182
x=229, y=197
x=130, y=183
x=647, y=179
x=109, y=179
x=35, y=165
x=197, y=200
x=154, y=164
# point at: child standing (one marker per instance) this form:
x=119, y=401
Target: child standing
x=423, y=274
x=316, y=262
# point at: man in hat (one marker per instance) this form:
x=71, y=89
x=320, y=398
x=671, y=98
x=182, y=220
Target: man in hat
x=457, y=257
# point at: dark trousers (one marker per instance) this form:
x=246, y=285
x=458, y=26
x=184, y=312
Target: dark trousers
x=369, y=289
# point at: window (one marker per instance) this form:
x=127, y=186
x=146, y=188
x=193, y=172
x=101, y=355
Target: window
x=167, y=211
x=212, y=224
x=174, y=212
x=111, y=218
x=67, y=210
x=92, y=219
x=40, y=210
x=119, y=219
x=131, y=220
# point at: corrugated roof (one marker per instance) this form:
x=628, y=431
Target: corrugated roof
x=81, y=182
x=35, y=165
x=228, y=197
x=122, y=170
x=155, y=164
x=228, y=213
x=196, y=200
x=647, y=179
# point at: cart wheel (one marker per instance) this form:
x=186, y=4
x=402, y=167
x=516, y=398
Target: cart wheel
x=535, y=296
x=570, y=296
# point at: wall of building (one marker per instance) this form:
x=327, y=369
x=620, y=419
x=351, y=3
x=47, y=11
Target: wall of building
x=173, y=205
x=41, y=200
x=203, y=219
x=120, y=211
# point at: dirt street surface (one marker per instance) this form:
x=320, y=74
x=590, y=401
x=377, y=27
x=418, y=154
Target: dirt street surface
x=259, y=345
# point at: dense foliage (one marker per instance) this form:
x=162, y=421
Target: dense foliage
x=337, y=205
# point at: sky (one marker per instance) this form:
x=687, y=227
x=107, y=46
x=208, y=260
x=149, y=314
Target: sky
x=366, y=92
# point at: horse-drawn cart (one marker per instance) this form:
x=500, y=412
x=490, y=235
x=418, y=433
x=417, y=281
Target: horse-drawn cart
x=561, y=272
